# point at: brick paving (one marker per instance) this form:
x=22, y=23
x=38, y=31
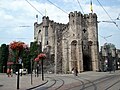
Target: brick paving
x=10, y=83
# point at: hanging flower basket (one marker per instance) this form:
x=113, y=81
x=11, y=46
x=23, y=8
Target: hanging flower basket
x=17, y=48
x=36, y=59
x=41, y=56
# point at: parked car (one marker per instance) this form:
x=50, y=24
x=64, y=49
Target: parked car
x=22, y=71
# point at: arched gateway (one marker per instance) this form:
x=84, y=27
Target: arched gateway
x=74, y=54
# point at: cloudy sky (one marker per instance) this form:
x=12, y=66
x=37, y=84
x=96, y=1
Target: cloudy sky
x=17, y=17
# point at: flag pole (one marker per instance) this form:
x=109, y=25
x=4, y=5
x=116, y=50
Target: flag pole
x=45, y=11
x=91, y=8
x=37, y=18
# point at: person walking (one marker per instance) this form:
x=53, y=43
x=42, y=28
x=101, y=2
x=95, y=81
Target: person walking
x=75, y=71
x=9, y=72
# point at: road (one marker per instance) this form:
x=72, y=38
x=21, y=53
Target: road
x=111, y=81
x=84, y=81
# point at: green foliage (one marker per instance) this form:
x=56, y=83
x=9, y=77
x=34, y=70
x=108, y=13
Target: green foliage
x=33, y=49
x=26, y=59
x=4, y=52
x=26, y=54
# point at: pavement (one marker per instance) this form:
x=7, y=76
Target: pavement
x=10, y=83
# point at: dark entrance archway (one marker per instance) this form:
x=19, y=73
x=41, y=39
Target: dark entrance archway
x=87, y=65
x=74, y=54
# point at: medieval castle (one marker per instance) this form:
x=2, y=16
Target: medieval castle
x=71, y=45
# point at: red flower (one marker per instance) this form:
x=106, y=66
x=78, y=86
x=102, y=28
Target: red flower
x=36, y=59
x=17, y=45
x=41, y=56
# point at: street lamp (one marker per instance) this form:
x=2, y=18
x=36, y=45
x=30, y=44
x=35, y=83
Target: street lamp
x=41, y=57
x=17, y=47
x=31, y=71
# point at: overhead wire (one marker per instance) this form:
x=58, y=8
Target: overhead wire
x=108, y=15
x=34, y=7
x=80, y=6
x=57, y=6
x=66, y=12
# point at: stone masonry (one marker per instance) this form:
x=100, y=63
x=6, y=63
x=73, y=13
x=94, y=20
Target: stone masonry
x=71, y=45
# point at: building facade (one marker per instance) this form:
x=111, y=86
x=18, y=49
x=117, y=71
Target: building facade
x=110, y=57
x=71, y=45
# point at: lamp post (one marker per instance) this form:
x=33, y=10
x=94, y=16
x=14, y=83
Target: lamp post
x=31, y=72
x=41, y=57
x=42, y=70
x=19, y=65
x=18, y=76
x=17, y=47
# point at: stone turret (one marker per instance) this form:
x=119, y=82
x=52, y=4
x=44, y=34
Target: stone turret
x=45, y=21
x=75, y=18
x=93, y=39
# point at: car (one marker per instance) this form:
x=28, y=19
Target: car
x=22, y=71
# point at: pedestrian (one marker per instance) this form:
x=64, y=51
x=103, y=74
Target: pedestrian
x=75, y=71
x=8, y=72
x=72, y=70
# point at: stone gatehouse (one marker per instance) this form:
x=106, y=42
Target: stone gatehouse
x=70, y=45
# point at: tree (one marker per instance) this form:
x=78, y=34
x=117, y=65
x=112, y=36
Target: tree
x=33, y=52
x=34, y=49
x=26, y=59
x=4, y=52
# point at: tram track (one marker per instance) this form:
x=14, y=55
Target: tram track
x=99, y=81
x=94, y=83
x=52, y=84
x=112, y=85
x=62, y=83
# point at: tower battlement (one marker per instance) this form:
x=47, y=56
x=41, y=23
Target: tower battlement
x=45, y=21
x=75, y=14
x=72, y=44
x=90, y=15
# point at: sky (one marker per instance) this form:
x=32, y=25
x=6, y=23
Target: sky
x=17, y=17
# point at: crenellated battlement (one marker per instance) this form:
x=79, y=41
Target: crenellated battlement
x=75, y=14
x=74, y=43
x=90, y=15
x=45, y=21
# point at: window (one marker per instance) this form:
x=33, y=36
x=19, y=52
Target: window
x=39, y=31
